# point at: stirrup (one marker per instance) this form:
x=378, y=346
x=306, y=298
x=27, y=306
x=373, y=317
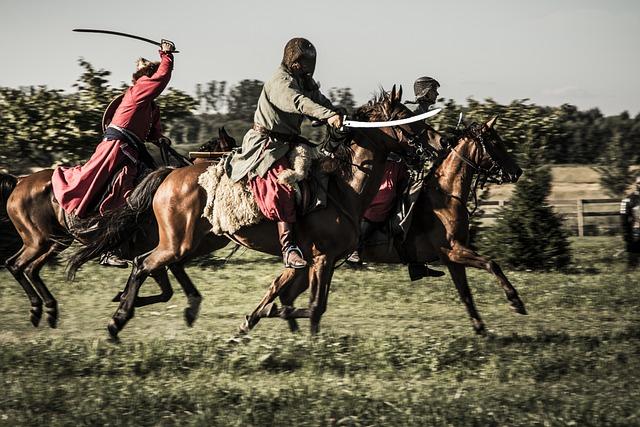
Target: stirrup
x=296, y=250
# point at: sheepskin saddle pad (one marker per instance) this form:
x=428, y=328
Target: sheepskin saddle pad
x=231, y=205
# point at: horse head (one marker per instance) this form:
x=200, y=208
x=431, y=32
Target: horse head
x=224, y=142
x=487, y=153
x=388, y=106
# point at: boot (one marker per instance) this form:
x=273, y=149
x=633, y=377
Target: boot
x=367, y=228
x=291, y=254
x=418, y=271
x=111, y=259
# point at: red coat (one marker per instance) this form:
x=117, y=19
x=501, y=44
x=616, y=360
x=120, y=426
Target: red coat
x=78, y=189
x=393, y=180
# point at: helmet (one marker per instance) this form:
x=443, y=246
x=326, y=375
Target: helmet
x=300, y=50
x=423, y=85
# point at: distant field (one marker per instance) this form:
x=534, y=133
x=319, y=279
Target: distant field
x=391, y=352
x=570, y=182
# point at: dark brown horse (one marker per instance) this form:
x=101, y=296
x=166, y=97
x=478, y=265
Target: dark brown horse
x=42, y=228
x=325, y=235
x=9, y=239
x=440, y=228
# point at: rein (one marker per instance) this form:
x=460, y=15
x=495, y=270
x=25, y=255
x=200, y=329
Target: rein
x=483, y=175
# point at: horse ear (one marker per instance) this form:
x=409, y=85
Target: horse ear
x=393, y=92
x=400, y=93
x=491, y=122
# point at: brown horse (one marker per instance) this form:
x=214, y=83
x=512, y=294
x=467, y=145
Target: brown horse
x=9, y=238
x=41, y=225
x=325, y=235
x=440, y=228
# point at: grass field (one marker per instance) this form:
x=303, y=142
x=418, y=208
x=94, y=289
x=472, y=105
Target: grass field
x=391, y=352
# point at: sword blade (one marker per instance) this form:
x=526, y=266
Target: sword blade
x=412, y=119
x=116, y=33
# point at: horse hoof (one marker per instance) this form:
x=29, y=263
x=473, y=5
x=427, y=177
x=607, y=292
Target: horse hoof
x=518, y=307
x=315, y=329
x=113, y=329
x=190, y=316
x=245, y=327
x=293, y=325
x=480, y=330
x=35, y=319
x=52, y=321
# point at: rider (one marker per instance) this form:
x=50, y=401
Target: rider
x=426, y=92
x=121, y=155
x=630, y=217
x=396, y=178
x=286, y=99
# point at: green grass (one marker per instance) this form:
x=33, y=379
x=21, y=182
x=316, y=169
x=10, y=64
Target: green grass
x=391, y=352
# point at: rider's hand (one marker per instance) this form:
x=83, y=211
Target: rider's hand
x=167, y=46
x=335, y=121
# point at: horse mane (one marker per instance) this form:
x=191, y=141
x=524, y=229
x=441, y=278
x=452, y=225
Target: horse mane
x=380, y=108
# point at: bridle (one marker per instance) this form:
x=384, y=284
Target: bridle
x=493, y=174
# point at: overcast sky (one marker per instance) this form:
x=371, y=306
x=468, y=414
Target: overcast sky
x=583, y=52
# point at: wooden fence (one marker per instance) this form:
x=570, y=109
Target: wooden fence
x=582, y=216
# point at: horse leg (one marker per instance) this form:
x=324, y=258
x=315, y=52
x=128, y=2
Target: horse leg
x=194, y=299
x=166, y=291
x=265, y=307
x=32, y=271
x=320, y=282
x=16, y=265
x=125, y=309
x=459, y=275
x=287, y=296
x=463, y=255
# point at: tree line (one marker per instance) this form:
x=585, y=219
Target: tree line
x=41, y=126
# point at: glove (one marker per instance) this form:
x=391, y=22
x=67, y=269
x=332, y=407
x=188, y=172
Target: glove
x=163, y=140
x=167, y=46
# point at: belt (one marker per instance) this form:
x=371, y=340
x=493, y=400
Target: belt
x=286, y=137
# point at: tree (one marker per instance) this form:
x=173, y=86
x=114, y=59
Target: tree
x=528, y=233
x=212, y=97
x=615, y=167
x=342, y=97
x=243, y=100
x=176, y=112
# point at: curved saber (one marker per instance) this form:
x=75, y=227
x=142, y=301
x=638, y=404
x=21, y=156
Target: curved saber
x=118, y=33
x=423, y=116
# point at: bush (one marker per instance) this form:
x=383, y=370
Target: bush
x=527, y=233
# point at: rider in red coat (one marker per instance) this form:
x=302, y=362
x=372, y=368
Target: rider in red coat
x=121, y=155
x=395, y=179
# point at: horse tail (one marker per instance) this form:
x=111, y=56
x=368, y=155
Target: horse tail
x=109, y=231
x=9, y=237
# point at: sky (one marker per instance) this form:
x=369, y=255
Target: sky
x=582, y=52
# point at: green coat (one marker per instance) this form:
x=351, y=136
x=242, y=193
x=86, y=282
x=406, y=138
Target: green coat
x=282, y=106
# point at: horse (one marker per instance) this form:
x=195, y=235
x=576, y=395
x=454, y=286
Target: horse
x=440, y=228
x=42, y=227
x=9, y=238
x=325, y=235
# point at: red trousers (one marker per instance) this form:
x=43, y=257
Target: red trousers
x=395, y=174
x=276, y=201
